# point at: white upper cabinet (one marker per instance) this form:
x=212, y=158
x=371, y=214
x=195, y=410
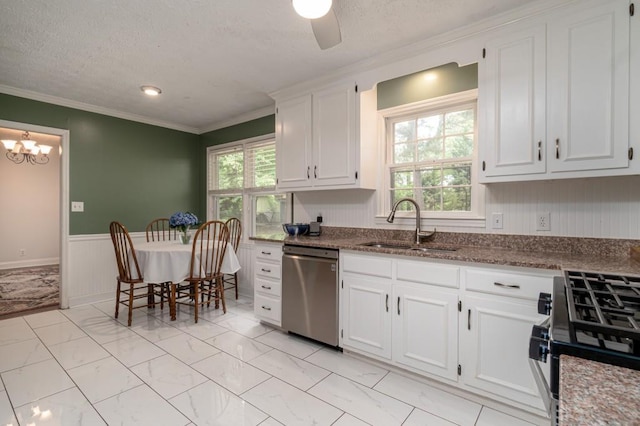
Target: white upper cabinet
x=512, y=103
x=334, y=136
x=319, y=144
x=588, y=121
x=554, y=96
x=293, y=142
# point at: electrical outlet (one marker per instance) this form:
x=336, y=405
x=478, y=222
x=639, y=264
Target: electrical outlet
x=22, y=252
x=496, y=220
x=77, y=206
x=543, y=221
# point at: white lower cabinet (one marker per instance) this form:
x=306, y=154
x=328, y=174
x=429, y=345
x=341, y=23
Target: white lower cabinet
x=465, y=325
x=267, y=283
x=366, y=323
x=494, y=351
x=425, y=329
x=401, y=310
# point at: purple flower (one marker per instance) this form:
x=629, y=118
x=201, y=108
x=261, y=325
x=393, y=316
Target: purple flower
x=183, y=221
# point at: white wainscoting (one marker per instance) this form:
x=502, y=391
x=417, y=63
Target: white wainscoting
x=92, y=268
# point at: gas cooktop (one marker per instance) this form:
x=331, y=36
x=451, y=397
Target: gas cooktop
x=604, y=310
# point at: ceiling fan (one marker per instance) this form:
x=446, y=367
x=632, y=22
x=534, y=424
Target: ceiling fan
x=323, y=21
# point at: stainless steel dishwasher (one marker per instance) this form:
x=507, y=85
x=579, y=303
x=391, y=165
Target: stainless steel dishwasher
x=310, y=292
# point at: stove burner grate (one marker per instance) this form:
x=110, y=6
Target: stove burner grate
x=604, y=309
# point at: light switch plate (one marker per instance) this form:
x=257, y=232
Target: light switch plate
x=496, y=220
x=77, y=206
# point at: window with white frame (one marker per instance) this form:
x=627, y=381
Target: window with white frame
x=242, y=183
x=430, y=151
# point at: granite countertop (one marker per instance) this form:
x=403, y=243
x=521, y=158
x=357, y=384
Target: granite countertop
x=587, y=384
x=553, y=253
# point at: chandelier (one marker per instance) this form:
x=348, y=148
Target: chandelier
x=27, y=150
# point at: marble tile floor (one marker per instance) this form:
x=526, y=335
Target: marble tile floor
x=80, y=366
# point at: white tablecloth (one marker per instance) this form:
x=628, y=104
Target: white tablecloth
x=164, y=261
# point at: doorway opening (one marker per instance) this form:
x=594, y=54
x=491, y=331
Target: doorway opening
x=30, y=223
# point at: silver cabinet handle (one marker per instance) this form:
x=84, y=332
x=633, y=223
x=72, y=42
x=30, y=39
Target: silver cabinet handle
x=266, y=308
x=558, y=148
x=398, y=305
x=266, y=287
x=268, y=253
x=469, y=319
x=506, y=285
x=539, y=150
x=268, y=271
x=315, y=172
x=308, y=168
x=387, y=303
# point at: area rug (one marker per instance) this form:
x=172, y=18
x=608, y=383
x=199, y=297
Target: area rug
x=27, y=289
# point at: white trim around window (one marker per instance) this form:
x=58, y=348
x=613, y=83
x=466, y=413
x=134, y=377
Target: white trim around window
x=475, y=218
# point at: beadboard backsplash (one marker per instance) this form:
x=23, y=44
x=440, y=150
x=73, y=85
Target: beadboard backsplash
x=596, y=207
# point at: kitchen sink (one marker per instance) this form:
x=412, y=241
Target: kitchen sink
x=400, y=246
x=387, y=245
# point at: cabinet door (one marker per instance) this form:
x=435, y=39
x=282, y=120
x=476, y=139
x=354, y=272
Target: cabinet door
x=334, y=136
x=425, y=329
x=293, y=143
x=366, y=316
x=513, y=103
x=588, y=85
x=494, y=351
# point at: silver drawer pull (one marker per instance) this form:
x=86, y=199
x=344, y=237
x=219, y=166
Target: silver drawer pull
x=268, y=271
x=266, y=287
x=506, y=285
x=266, y=308
x=268, y=253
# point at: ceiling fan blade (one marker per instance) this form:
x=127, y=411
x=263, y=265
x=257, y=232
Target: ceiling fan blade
x=327, y=30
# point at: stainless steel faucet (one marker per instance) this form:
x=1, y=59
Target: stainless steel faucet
x=419, y=234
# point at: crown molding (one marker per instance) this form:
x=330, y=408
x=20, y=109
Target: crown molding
x=407, y=52
x=242, y=118
x=28, y=94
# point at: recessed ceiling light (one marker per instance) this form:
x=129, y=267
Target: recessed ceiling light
x=151, y=90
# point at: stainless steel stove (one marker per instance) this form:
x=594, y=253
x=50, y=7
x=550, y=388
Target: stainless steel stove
x=592, y=316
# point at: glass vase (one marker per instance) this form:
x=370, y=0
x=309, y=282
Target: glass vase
x=185, y=238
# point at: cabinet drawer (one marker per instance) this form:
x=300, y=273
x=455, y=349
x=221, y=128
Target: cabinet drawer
x=525, y=286
x=268, y=287
x=269, y=252
x=269, y=270
x=267, y=308
x=428, y=273
x=377, y=266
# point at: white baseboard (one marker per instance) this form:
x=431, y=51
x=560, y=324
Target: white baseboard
x=93, y=298
x=29, y=263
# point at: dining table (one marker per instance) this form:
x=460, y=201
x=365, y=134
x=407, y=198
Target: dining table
x=170, y=262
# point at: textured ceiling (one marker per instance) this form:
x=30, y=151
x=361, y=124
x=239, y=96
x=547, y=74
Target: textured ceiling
x=213, y=59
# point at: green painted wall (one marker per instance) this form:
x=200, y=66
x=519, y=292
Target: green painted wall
x=249, y=129
x=121, y=169
x=431, y=83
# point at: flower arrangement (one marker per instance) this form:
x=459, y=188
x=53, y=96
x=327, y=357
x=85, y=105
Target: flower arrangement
x=182, y=222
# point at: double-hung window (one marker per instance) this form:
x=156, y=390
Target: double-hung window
x=242, y=183
x=430, y=152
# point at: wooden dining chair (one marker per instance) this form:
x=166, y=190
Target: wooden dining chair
x=130, y=281
x=159, y=230
x=235, y=234
x=205, y=279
